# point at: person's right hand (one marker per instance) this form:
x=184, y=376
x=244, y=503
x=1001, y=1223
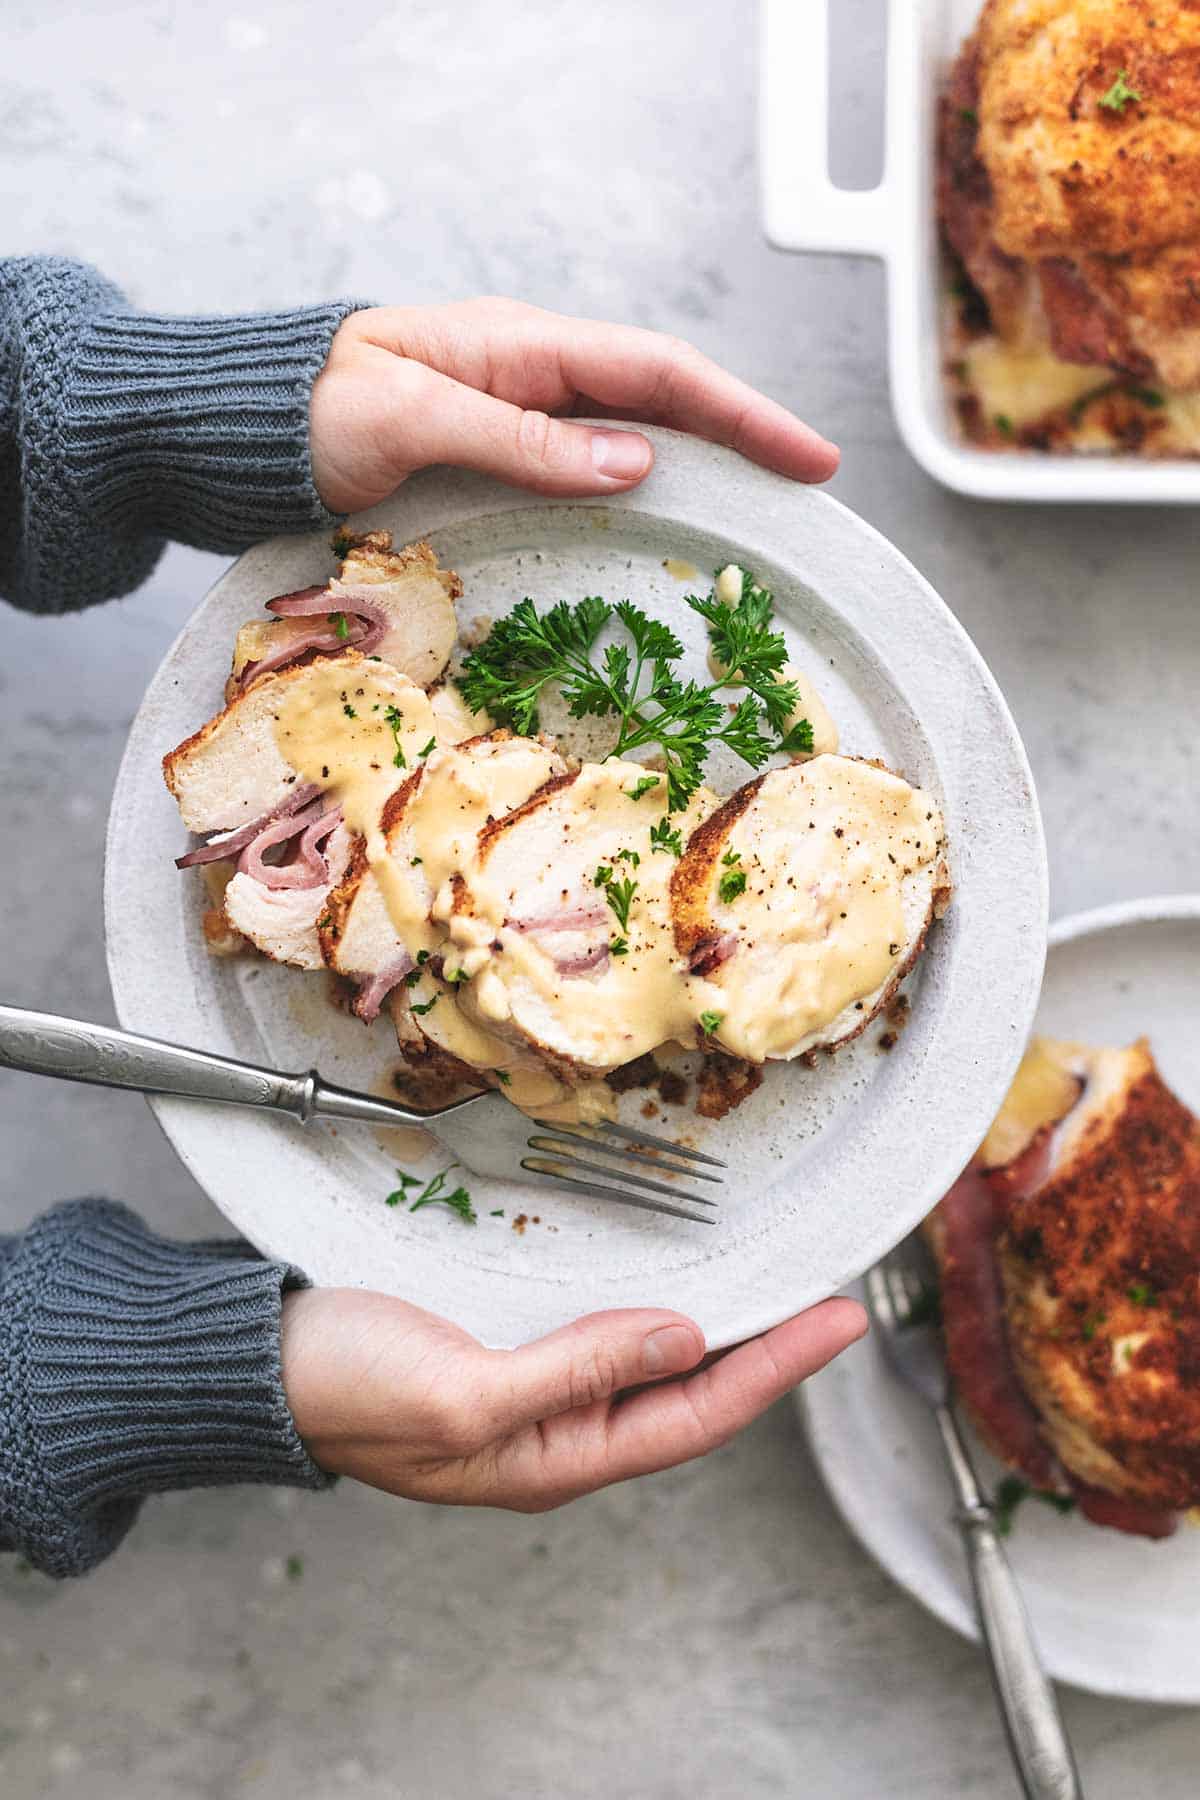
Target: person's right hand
x=407, y=1402
x=484, y=384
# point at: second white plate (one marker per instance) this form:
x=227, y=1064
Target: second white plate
x=1112, y=1613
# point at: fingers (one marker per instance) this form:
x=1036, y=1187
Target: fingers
x=438, y=419
x=545, y=361
x=680, y=1420
x=586, y=1362
x=664, y=381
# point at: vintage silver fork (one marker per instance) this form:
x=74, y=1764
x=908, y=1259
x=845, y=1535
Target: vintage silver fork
x=902, y=1297
x=484, y=1132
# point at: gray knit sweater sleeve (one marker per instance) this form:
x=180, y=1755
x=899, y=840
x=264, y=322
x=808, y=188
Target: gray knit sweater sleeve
x=121, y=429
x=129, y=1365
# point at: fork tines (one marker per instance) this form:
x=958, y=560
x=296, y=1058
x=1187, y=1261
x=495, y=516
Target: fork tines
x=629, y=1167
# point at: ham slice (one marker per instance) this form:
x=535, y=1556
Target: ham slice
x=223, y=849
x=364, y=624
x=977, y=1348
x=307, y=867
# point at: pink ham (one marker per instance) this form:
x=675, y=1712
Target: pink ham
x=307, y=867
x=376, y=988
x=710, y=954
x=976, y=1333
x=570, y=918
x=366, y=626
x=222, y=849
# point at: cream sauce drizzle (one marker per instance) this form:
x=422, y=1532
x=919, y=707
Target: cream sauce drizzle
x=809, y=705
x=545, y=865
x=454, y=792
x=820, y=924
x=825, y=847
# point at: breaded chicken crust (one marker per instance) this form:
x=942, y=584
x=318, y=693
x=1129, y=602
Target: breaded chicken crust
x=1101, y=1273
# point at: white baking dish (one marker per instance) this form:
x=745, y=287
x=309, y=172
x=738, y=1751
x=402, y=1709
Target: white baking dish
x=802, y=210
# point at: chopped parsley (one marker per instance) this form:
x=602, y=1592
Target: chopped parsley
x=731, y=884
x=293, y=1568
x=634, y=681
x=427, y=749
x=415, y=862
x=1120, y=93
x=349, y=710
x=618, y=946
x=423, y=955
x=434, y=1193
x=1091, y=1326
x=324, y=921
x=1142, y=1294
x=629, y=856
x=663, y=838
x=341, y=625
x=395, y=719
x=619, y=894
x=412, y=978
x=425, y=1006
x=454, y=976
x=503, y=1077
x=710, y=1022
x=968, y=115
x=1003, y=424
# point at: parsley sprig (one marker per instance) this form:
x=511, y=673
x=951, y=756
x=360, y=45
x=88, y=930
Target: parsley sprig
x=634, y=681
x=434, y=1193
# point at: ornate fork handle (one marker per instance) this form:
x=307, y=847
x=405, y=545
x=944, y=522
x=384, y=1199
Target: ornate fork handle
x=73, y=1050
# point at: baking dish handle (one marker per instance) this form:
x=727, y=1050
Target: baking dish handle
x=802, y=209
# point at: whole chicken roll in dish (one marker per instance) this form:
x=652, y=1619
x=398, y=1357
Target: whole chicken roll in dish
x=1069, y=190
x=1070, y=1274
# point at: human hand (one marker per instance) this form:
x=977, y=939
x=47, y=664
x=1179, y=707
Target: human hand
x=407, y=1402
x=482, y=384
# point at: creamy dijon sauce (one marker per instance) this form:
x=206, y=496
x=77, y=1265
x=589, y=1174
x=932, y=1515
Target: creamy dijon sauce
x=536, y=955
x=821, y=922
x=543, y=868
x=809, y=704
x=335, y=727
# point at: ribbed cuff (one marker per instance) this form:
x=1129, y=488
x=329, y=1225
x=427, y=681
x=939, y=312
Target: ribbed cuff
x=198, y=428
x=131, y=1365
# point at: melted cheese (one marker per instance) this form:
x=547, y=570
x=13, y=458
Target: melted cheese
x=820, y=924
x=1044, y=1089
x=1022, y=386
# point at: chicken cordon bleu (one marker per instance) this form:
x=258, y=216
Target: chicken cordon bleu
x=1069, y=1258
x=1069, y=192
x=530, y=921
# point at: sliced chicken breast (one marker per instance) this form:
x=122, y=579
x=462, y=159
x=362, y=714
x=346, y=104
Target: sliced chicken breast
x=802, y=901
x=408, y=618
x=283, y=922
x=564, y=928
x=246, y=762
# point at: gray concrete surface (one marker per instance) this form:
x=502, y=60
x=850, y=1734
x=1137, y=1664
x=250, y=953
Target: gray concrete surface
x=713, y=1632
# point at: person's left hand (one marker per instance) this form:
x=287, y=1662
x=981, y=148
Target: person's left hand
x=484, y=384
x=407, y=1402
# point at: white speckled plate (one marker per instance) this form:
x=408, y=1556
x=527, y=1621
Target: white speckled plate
x=831, y=1164
x=1114, y=1614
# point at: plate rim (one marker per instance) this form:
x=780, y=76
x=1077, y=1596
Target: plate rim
x=685, y=460
x=957, y=1613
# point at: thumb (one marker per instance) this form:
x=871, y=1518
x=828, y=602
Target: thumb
x=440, y=420
x=591, y=1360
